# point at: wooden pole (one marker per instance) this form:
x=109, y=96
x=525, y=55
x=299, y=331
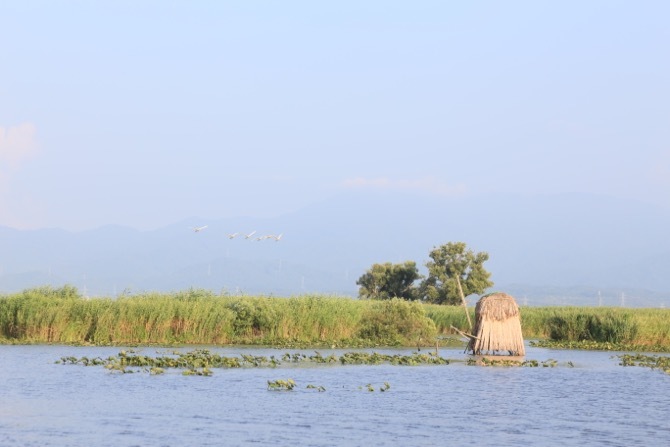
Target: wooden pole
x=464, y=334
x=465, y=305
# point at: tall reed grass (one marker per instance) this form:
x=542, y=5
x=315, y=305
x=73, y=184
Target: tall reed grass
x=201, y=317
x=639, y=326
x=46, y=315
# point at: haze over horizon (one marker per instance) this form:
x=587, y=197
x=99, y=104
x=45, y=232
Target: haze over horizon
x=146, y=113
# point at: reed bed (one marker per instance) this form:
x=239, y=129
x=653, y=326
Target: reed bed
x=201, y=317
x=632, y=326
x=46, y=315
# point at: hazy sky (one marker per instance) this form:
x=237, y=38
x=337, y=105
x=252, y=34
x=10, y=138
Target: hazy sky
x=143, y=113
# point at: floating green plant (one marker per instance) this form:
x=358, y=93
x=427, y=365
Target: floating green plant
x=649, y=361
x=281, y=385
x=589, y=345
x=374, y=358
x=385, y=387
x=494, y=362
x=197, y=372
x=319, y=388
x=549, y=363
x=318, y=358
x=115, y=367
x=203, y=360
x=485, y=361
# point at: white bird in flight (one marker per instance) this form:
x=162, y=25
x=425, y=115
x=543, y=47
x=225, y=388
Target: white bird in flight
x=250, y=234
x=232, y=235
x=278, y=237
x=199, y=229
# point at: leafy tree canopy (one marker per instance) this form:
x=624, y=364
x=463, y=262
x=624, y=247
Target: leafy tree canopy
x=449, y=264
x=387, y=281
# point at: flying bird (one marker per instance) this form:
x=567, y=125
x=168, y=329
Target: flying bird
x=250, y=234
x=278, y=237
x=232, y=235
x=198, y=229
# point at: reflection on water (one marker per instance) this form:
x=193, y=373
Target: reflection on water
x=596, y=402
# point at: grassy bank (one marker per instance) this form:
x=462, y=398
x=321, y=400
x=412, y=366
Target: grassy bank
x=48, y=315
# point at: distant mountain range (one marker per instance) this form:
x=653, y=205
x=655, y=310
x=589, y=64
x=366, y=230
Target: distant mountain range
x=545, y=250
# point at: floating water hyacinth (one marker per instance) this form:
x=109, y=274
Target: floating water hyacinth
x=385, y=387
x=487, y=361
x=281, y=385
x=319, y=388
x=650, y=361
x=203, y=360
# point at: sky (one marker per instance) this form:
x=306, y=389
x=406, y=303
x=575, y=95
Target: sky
x=144, y=113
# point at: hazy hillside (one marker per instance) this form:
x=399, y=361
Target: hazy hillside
x=561, y=249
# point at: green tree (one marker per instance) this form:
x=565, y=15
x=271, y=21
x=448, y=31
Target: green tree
x=387, y=281
x=450, y=263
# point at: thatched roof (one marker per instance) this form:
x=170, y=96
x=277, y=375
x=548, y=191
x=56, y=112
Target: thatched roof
x=497, y=326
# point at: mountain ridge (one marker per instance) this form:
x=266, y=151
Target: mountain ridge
x=566, y=242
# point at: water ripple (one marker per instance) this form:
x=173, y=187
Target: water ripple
x=597, y=403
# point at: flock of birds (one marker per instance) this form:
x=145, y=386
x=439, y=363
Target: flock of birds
x=250, y=236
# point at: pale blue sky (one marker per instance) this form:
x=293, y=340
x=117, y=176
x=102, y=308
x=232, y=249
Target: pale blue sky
x=143, y=113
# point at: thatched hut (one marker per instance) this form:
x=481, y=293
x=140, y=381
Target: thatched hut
x=497, y=326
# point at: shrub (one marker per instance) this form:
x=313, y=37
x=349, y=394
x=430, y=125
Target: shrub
x=395, y=321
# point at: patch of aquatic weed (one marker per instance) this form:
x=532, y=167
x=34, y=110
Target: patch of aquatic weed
x=202, y=361
x=589, y=345
x=485, y=361
x=650, y=361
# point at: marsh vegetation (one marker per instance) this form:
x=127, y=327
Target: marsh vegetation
x=601, y=328
x=201, y=317
x=191, y=317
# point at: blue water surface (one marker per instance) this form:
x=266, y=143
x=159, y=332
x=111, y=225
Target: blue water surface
x=588, y=399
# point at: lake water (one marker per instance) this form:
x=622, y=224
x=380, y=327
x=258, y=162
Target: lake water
x=594, y=403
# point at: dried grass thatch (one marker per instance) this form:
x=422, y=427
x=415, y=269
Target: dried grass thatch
x=497, y=326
